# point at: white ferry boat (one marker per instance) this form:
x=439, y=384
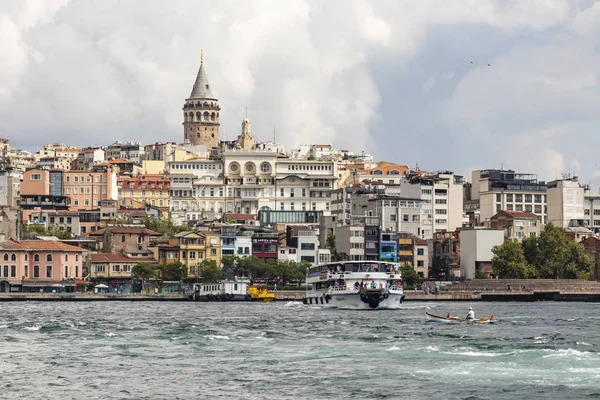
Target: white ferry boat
x=355, y=284
x=227, y=290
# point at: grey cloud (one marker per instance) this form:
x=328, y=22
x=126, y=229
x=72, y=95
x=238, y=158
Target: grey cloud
x=347, y=72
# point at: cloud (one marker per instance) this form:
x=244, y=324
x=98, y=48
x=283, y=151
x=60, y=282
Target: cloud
x=391, y=77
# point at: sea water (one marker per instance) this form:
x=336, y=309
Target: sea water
x=157, y=350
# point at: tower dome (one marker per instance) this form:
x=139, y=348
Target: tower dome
x=201, y=112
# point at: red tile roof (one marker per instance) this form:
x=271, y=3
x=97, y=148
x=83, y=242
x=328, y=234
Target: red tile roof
x=41, y=245
x=518, y=214
x=116, y=257
x=124, y=230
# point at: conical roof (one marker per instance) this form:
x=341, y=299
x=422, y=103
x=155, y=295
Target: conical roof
x=201, y=89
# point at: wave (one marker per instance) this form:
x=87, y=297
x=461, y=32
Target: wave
x=293, y=304
x=393, y=348
x=217, y=337
x=33, y=328
x=568, y=353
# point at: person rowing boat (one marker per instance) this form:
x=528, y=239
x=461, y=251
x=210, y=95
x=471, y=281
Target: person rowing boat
x=471, y=314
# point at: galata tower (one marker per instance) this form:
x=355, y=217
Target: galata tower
x=201, y=113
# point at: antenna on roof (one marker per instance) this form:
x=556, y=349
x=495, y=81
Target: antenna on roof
x=246, y=112
x=274, y=141
x=201, y=56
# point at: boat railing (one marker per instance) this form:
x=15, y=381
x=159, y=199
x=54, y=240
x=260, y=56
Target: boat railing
x=342, y=289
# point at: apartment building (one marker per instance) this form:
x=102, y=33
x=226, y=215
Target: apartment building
x=114, y=271
x=146, y=189
x=395, y=213
x=565, y=202
x=36, y=265
x=441, y=195
x=350, y=241
x=516, y=224
x=196, y=189
x=591, y=210
x=496, y=190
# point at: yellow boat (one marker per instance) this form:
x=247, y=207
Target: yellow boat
x=258, y=294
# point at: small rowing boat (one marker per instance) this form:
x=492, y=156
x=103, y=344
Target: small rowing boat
x=439, y=318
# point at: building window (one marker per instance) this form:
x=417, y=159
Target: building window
x=538, y=198
x=498, y=197
x=48, y=271
x=49, y=258
x=509, y=207
x=36, y=271
x=36, y=177
x=420, y=252
x=213, y=252
x=13, y=271
x=509, y=198
x=518, y=198
x=307, y=246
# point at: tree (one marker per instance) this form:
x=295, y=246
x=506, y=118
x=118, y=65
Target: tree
x=555, y=255
x=229, y=264
x=143, y=271
x=210, y=271
x=509, y=261
x=52, y=230
x=162, y=226
x=330, y=243
x=299, y=271
x=409, y=275
x=252, y=267
x=173, y=271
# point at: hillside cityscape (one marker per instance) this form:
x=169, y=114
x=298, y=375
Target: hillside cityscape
x=74, y=216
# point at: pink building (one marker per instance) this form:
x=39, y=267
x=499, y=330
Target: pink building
x=40, y=265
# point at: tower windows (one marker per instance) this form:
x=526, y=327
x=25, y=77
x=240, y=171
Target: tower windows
x=198, y=116
x=206, y=115
x=212, y=117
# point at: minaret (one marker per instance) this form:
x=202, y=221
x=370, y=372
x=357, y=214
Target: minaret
x=245, y=139
x=201, y=112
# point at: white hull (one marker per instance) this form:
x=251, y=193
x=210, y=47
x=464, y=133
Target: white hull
x=352, y=300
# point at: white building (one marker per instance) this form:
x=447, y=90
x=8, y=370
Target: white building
x=441, y=194
x=505, y=190
x=591, y=210
x=565, y=202
x=476, y=250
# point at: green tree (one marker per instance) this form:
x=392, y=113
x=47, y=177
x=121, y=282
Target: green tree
x=229, y=264
x=509, y=261
x=162, y=226
x=210, y=271
x=252, y=267
x=144, y=272
x=173, y=271
x=409, y=275
x=299, y=271
x=558, y=256
x=52, y=230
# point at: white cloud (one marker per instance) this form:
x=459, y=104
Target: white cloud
x=318, y=71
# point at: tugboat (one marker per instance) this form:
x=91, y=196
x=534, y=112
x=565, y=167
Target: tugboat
x=260, y=294
x=355, y=284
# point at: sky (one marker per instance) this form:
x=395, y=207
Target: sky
x=454, y=85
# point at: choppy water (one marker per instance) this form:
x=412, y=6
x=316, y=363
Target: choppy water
x=121, y=350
